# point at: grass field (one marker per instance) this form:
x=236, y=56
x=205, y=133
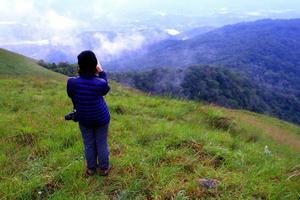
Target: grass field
x=12, y=64
x=159, y=147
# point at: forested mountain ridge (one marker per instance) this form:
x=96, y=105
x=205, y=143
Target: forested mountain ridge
x=221, y=86
x=243, y=43
x=267, y=52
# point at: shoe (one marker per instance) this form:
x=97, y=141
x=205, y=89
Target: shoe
x=103, y=172
x=90, y=172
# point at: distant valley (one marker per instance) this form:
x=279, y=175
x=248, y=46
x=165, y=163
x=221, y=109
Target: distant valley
x=251, y=65
x=267, y=52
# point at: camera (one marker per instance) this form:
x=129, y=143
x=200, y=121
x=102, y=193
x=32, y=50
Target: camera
x=72, y=116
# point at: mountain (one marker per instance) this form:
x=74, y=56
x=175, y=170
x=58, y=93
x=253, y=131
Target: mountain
x=266, y=51
x=160, y=148
x=226, y=87
x=263, y=48
x=15, y=64
x=193, y=33
x=250, y=43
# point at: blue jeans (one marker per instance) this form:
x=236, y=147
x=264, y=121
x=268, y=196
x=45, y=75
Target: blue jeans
x=95, y=146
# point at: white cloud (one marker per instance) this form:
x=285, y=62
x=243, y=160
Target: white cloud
x=24, y=42
x=172, y=31
x=60, y=23
x=59, y=29
x=8, y=22
x=5, y=5
x=224, y=11
x=119, y=44
x=280, y=11
x=254, y=13
x=265, y=13
x=23, y=6
x=160, y=13
x=17, y=9
x=65, y=40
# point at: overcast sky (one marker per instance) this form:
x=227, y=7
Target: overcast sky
x=56, y=21
x=68, y=14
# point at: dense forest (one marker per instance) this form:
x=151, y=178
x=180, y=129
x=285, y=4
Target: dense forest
x=62, y=67
x=226, y=87
x=267, y=50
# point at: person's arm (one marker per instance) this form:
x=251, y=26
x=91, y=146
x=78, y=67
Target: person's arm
x=100, y=72
x=104, y=87
x=102, y=75
x=70, y=90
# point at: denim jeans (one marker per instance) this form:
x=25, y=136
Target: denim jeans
x=95, y=146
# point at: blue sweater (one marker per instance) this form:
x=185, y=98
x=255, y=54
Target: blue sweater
x=87, y=94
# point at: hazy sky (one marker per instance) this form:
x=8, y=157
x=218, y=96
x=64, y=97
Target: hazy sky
x=57, y=21
x=68, y=14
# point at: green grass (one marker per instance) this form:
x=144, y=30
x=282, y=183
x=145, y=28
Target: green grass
x=159, y=148
x=13, y=64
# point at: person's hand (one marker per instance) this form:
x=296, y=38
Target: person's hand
x=99, y=68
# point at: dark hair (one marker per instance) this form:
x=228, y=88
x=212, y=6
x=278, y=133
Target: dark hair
x=87, y=63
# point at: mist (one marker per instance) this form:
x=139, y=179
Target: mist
x=120, y=27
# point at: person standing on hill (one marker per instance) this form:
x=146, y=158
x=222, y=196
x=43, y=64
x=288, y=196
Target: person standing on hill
x=87, y=91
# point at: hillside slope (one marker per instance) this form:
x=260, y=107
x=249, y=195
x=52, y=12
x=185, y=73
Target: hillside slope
x=14, y=64
x=159, y=147
x=266, y=51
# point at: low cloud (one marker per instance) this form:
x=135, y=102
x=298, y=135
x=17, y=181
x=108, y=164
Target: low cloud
x=118, y=45
x=280, y=11
x=160, y=13
x=254, y=13
x=224, y=11
x=60, y=23
x=263, y=13
x=8, y=22
x=172, y=32
x=26, y=42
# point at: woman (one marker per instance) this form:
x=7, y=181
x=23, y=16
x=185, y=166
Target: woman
x=87, y=91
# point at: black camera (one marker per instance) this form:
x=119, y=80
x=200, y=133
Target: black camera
x=72, y=116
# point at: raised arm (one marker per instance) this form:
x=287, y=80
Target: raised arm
x=102, y=75
x=103, y=84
